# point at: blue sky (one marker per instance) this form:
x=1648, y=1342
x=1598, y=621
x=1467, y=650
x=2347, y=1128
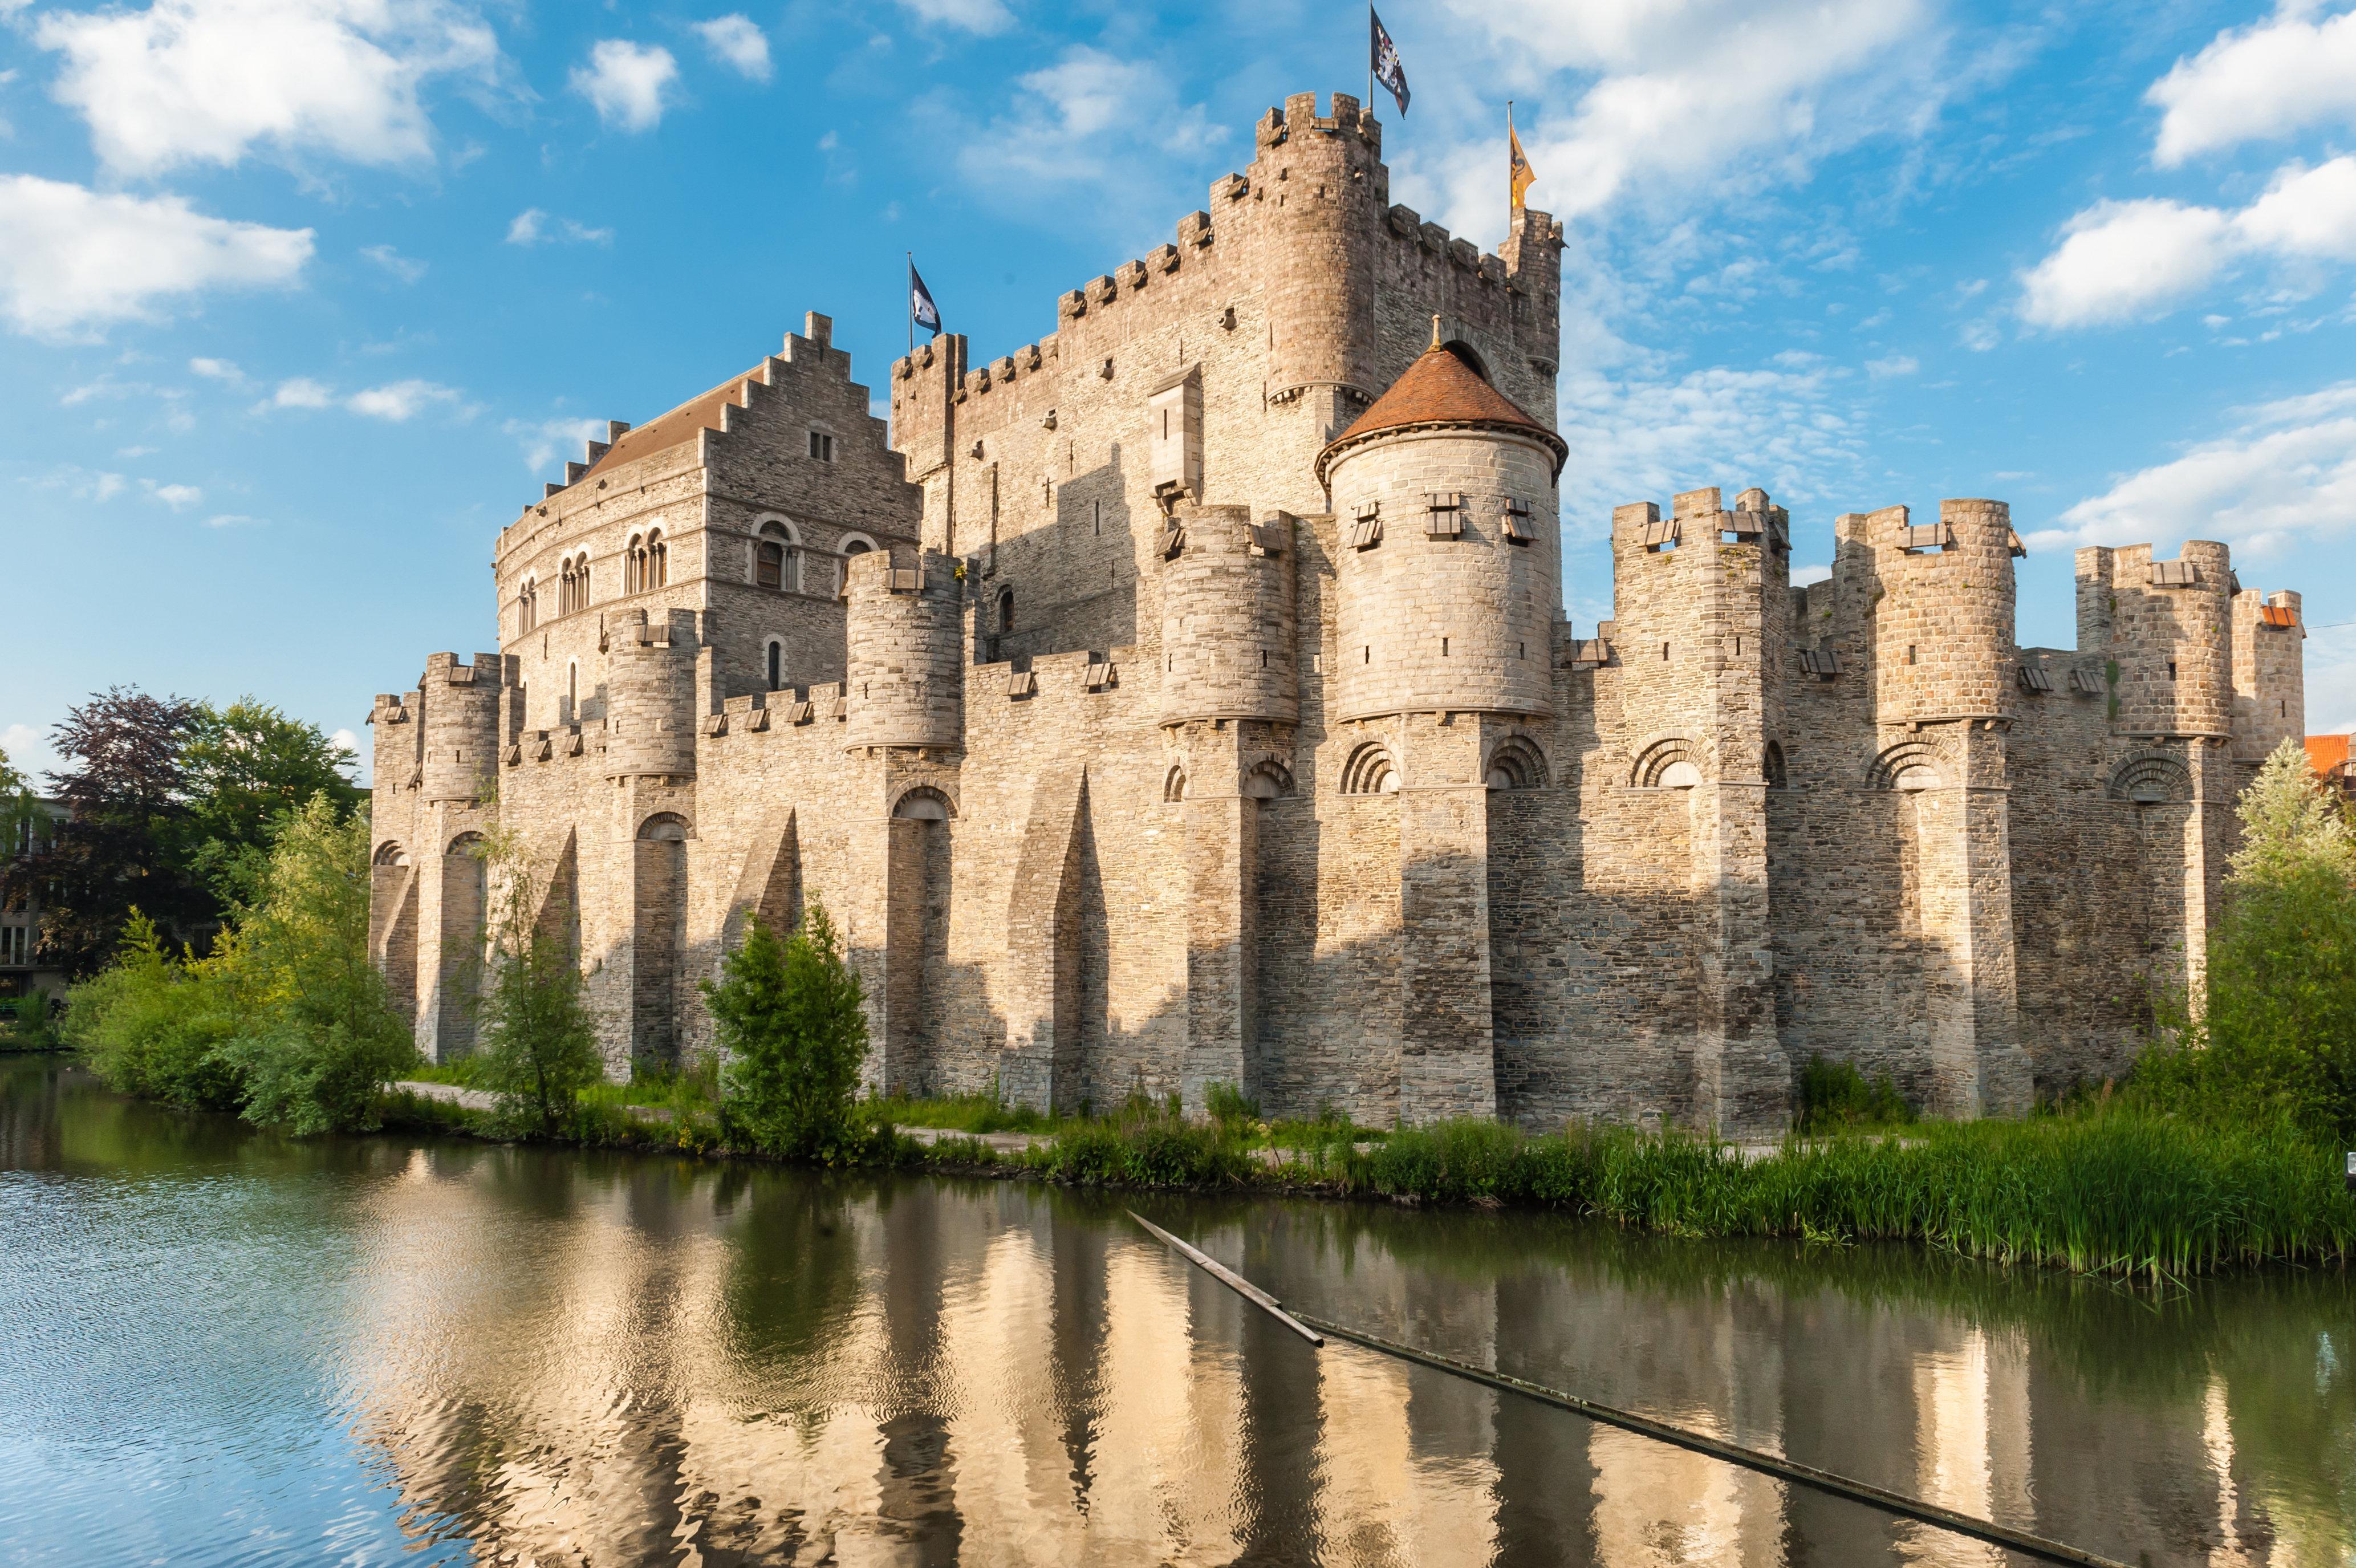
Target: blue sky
x=299, y=302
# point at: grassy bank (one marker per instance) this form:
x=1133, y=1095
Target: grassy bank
x=2102, y=1189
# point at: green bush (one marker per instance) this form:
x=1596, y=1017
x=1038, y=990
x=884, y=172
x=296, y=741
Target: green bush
x=153, y=1024
x=28, y=1023
x=316, y=1039
x=1835, y=1096
x=792, y=1036
x=537, y=1049
x=285, y=1020
x=2277, y=1039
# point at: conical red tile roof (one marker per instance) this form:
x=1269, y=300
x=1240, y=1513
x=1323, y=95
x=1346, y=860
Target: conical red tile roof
x=1441, y=390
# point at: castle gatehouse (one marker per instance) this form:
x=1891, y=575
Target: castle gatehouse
x=1185, y=698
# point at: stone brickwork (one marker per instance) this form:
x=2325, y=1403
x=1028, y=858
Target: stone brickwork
x=1183, y=698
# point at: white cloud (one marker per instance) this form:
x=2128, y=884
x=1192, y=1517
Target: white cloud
x=2259, y=82
x=203, y=81
x=544, y=440
x=232, y=520
x=301, y=392
x=345, y=741
x=736, y=42
x=2126, y=260
x=1681, y=97
x=405, y=268
x=216, y=371
x=106, y=487
x=1895, y=365
x=1650, y=434
x=72, y=259
x=179, y=497
x=28, y=750
x=401, y=401
x=2306, y=212
x=1804, y=576
x=984, y=16
x=2286, y=472
x=532, y=227
x=2331, y=681
x=627, y=83
x=1090, y=120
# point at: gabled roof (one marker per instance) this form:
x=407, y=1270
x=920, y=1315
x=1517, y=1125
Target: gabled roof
x=1440, y=391
x=675, y=428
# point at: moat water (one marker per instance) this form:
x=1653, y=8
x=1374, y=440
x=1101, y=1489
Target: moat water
x=222, y=1347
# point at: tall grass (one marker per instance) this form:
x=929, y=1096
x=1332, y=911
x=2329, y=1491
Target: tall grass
x=2106, y=1191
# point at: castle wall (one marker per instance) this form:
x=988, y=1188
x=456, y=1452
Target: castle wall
x=1150, y=829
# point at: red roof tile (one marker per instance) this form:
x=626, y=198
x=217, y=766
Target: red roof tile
x=1440, y=389
x=2326, y=752
x=675, y=428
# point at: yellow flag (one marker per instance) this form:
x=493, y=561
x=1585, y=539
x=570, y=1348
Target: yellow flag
x=1522, y=174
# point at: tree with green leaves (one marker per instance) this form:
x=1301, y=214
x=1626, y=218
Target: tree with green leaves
x=2291, y=820
x=793, y=1036
x=2277, y=1039
x=318, y=1039
x=537, y=1042
x=246, y=767
x=126, y=835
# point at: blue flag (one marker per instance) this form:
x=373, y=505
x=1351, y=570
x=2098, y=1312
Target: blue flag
x=1386, y=61
x=922, y=311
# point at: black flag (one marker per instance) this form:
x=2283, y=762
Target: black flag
x=922, y=311
x=1386, y=60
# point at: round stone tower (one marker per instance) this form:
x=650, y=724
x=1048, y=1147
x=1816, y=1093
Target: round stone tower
x=907, y=653
x=1319, y=191
x=2172, y=637
x=1942, y=625
x=461, y=727
x=1227, y=613
x=651, y=696
x=1449, y=579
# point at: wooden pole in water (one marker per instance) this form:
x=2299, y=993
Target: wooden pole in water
x=2021, y=1541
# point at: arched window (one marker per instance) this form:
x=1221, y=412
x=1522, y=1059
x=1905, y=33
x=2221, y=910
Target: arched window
x=572, y=713
x=564, y=587
x=925, y=804
x=1173, y=787
x=1517, y=764
x=527, y=606
x=657, y=560
x=778, y=559
x=1005, y=610
x=850, y=545
x=634, y=564
x=1667, y=764
x=1268, y=780
x=664, y=827
x=1369, y=772
x=776, y=664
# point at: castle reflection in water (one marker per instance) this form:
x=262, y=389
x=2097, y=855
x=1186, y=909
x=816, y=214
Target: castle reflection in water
x=576, y=1362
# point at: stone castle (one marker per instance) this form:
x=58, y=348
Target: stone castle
x=1185, y=698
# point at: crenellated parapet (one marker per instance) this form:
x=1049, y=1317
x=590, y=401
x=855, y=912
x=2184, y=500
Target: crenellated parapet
x=2269, y=673
x=458, y=734
x=1229, y=638
x=1942, y=614
x=907, y=681
x=652, y=694
x=2165, y=631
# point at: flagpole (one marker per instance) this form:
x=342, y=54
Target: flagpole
x=1509, y=166
x=910, y=286
x=1370, y=57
